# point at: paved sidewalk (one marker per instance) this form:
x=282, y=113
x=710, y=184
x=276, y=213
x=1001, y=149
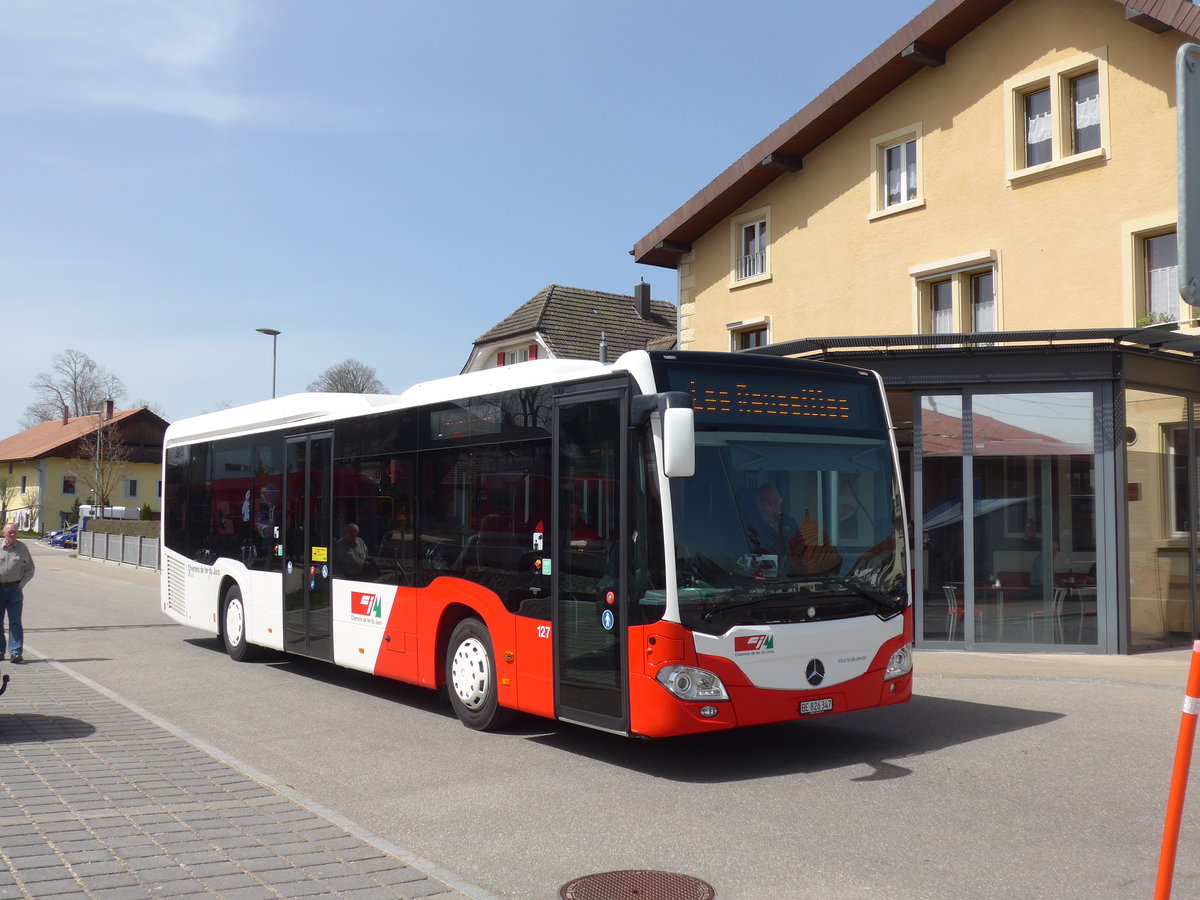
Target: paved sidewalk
x=98, y=800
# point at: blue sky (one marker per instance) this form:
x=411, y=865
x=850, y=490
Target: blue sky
x=378, y=180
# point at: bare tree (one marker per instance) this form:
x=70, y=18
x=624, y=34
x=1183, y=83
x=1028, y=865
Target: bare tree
x=14, y=499
x=349, y=377
x=75, y=381
x=103, y=460
x=154, y=407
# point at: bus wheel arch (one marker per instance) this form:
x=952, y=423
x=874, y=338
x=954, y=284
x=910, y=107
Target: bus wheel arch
x=232, y=622
x=471, y=676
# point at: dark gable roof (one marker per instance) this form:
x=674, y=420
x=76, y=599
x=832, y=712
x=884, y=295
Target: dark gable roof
x=941, y=25
x=571, y=320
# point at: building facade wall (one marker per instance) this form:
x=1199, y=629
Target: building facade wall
x=56, y=505
x=1063, y=239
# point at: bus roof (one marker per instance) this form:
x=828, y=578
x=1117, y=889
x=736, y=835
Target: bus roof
x=314, y=408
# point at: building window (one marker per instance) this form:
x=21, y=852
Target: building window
x=751, y=247
x=1057, y=115
x=941, y=298
x=1085, y=112
x=24, y=483
x=131, y=488
x=957, y=295
x=749, y=333
x=1160, y=279
x=983, y=300
x=896, y=171
x=752, y=258
x=1038, y=142
x=68, y=485
x=515, y=355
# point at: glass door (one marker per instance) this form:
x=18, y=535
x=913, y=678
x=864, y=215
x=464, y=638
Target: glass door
x=587, y=578
x=307, y=600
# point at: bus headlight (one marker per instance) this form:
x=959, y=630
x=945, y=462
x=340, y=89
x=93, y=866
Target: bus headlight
x=899, y=664
x=689, y=683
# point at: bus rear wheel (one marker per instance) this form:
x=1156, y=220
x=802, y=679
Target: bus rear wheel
x=471, y=677
x=233, y=625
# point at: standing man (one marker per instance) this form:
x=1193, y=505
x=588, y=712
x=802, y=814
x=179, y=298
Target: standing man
x=16, y=568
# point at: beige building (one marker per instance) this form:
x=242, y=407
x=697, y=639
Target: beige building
x=48, y=470
x=984, y=210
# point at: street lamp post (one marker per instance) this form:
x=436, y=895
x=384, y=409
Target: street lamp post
x=274, y=353
x=101, y=414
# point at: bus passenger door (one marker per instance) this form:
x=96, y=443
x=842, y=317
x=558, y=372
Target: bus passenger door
x=587, y=550
x=307, y=598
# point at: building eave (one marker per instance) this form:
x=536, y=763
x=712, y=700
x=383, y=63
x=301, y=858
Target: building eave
x=941, y=25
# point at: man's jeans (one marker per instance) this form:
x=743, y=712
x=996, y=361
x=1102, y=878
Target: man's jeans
x=11, y=602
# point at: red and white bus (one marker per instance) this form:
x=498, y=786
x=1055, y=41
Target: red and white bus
x=672, y=543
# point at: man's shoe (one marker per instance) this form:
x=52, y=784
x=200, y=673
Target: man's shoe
x=18, y=658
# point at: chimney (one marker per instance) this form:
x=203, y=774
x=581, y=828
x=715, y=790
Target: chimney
x=66, y=414
x=603, y=349
x=641, y=299
x=108, y=409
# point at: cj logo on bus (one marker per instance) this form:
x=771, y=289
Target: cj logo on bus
x=754, y=643
x=815, y=672
x=366, y=608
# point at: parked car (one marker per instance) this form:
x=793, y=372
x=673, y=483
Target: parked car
x=66, y=538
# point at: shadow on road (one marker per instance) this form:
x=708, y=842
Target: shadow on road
x=64, y=628
x=35, y=728
x=352, y=679
x=877, y=738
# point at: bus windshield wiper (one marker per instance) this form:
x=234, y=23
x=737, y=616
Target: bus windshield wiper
x=721, y=610
x=886, y=604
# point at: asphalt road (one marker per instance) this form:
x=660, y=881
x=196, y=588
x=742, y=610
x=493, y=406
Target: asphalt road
x=1007, y=776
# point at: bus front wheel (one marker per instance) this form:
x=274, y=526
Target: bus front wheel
x=471, y=677
x=233, y=625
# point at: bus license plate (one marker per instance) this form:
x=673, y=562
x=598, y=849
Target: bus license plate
x=808, y=707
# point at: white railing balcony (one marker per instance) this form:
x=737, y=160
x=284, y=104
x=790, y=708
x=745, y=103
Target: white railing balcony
x=752, y=264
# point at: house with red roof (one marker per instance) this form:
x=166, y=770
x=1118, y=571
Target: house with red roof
x=47, y=471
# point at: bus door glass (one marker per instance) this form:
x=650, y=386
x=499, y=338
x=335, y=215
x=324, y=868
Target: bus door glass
x=587, y=579
x=307, y=539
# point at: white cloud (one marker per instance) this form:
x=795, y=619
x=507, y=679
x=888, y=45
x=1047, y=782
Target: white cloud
x=171, y=57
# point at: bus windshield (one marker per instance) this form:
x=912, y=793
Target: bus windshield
x=787, y=526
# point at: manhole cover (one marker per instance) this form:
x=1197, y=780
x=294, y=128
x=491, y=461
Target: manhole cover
x=637, y=884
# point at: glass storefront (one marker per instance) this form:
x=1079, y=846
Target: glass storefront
x=1029, y=518
x=1160, y=439
x=1053, y=490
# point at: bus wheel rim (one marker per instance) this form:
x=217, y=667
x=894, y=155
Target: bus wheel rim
x=234, y=622
x=470, y=673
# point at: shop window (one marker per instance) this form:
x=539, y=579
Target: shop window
x=1157, y=510
x=1057, y=115
x=1178, y=509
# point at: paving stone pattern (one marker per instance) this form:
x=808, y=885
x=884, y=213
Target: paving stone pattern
x=96, y=801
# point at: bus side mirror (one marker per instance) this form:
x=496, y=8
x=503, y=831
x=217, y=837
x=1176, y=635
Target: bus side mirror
x=679, y=442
